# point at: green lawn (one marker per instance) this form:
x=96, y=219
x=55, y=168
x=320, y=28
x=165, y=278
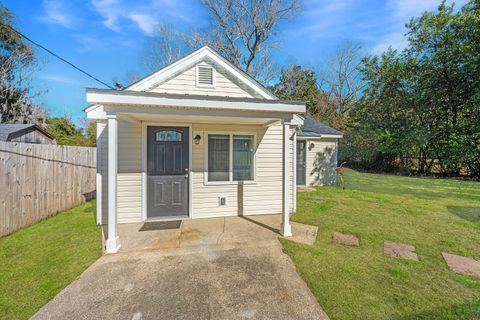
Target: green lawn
x=360, y=282
x=39, y=261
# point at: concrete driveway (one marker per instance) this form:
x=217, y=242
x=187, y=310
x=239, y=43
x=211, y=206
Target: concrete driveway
x=223, y=268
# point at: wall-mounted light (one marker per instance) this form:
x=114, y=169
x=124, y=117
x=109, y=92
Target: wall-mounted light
x=197, y=139
x=311, y=146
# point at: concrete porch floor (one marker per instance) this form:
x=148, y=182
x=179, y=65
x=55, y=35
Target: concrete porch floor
x=220, y=233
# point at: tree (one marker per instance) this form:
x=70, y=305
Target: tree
x=300, y=83
x=163, y=49
x=242, y=31
x=17, y=64
x=91, y=134
x=340, y=76
x=66, y=132
x=422, y=105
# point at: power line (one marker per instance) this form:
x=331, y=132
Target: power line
x=55, y=55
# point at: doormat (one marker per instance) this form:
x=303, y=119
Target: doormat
x=161, y=225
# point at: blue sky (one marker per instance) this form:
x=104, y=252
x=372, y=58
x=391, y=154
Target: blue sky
x=106, y=37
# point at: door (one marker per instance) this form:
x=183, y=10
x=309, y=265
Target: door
x=301, y=163
x=167, y=172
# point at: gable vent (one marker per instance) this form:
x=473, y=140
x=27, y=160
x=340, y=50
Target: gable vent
x=204, y=76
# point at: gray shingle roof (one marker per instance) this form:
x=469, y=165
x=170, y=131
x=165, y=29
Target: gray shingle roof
x=8, y=131
x=314, y=128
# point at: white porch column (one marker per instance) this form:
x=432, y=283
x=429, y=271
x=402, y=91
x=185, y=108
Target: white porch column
x=112, y=243
x=294, y=166
x=100, y=128
x=286, y=229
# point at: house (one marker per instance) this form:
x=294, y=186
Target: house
x=317, y=153
x=27, y=133
x=199, y=138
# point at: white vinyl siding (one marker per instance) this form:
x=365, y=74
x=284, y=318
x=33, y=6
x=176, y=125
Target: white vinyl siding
x=262, y=197
x=186, y=83
x=129, y=179
x=321, y=162
x=129, y=183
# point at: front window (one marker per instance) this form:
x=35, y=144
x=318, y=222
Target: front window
x=230, y=157
x=218, y=157
x=242, y=158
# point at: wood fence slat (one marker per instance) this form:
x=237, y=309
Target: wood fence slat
x=38, y=180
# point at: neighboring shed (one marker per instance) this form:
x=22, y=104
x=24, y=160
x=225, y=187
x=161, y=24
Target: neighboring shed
x=317, y=153
x=27, y=133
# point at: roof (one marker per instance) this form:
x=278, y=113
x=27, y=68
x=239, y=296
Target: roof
x=162, y=75
x=196, y=56
x=314, y=128
x=9, y=131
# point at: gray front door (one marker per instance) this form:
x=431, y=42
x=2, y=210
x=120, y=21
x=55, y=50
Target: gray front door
x=301, y=163
x=167, y=172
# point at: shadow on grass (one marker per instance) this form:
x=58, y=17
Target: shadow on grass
x=465, y=311
x=469, y=213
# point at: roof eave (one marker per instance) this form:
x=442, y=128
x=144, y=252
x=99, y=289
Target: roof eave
x=114, y=97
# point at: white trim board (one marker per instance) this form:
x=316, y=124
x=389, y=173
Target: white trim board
x=132, y=98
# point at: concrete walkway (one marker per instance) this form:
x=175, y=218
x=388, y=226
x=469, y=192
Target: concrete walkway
x=225, y=268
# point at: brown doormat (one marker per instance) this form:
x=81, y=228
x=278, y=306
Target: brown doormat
x=161, y=225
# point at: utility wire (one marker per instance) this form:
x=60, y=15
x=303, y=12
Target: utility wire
x=55, y=55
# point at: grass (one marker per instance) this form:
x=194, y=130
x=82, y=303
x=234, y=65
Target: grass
x=37, y=262
x=360, y=282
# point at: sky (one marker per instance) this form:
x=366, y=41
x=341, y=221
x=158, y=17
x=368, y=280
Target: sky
x=107, y=37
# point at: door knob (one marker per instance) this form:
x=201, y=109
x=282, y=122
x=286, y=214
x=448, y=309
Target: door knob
x=186, y=176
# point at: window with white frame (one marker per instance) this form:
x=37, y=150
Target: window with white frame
x=230, y=157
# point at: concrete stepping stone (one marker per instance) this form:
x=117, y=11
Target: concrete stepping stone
x=462, y=265
x=399, y=250
x=345, y=239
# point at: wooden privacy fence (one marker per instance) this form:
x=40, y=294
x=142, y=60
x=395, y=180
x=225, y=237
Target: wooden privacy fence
x=39, y=180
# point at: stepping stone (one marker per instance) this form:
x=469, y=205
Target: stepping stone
x=399, y=250
x=345, y=239
x=462, y=265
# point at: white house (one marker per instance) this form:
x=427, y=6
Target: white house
x=199, y=138
x=317, y=153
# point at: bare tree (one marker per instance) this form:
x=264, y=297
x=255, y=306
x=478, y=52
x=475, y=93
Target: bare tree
x=340, y=76
x=243, y=31
x=164, y=48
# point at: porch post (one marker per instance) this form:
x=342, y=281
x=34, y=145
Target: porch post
x=286, y=229
x=294, y=166
x=100, y=128
x=112, y=243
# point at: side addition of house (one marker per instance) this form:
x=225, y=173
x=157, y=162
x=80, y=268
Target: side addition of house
x=197, y=139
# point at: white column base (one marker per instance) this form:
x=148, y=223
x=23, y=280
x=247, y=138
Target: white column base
x=112, y=245
x=286, y=230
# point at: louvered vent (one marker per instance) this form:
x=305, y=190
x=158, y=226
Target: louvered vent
x=205, y=76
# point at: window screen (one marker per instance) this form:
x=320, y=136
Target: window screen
x=218, y=157
x=243, y=157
